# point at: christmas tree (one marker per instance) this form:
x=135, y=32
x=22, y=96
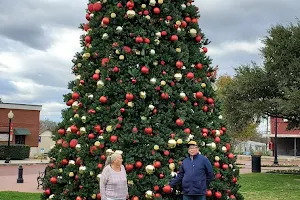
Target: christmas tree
x=144, y=86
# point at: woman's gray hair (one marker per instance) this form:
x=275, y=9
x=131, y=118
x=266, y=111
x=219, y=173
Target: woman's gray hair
x=112, y=158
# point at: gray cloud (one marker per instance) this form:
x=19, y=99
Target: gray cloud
x=28, y=21
x=244, y=20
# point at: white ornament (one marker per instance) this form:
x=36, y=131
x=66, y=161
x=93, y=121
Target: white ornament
x=224, y=149
x=162, y=83
x=82, y=169
x=71, y=162
x=158, y=34
x=153, y=80
x=130, y=14
x=218, y=133
x=78, y=147
x=220, y=117
x=152, y=52
x=91, y=96
x=142, y=94
x=217, y=158
x=119, y=29
x=182, y=95
x=151, y=107
x=152, y=2
x=105, y=36
x=183, y=6
x=178, y=76
x=82, y=130
x=83, y=119
x=193, y=32
x=78, y=77
x=100, y=84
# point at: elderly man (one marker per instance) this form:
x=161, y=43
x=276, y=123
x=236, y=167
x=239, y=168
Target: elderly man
x=195, y=174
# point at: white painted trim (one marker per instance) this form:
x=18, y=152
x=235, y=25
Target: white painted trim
x=286, y=135
x=20, y=106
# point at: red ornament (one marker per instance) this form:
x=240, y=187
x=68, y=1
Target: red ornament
x=210, y=100
x=87, y=16
x=232, y=197
x=47, y=192
x=140, y=176
x=169, y=18
x=174, y=38
x=134, y=130
x=74, y=129
x=90, y=7
x=217, y=164
x=129, y=96
x=145, y=70
x=157, y=164
x=198, y=39
x=199, y=66
x=105, y=20
x=53, y=180
x=199, y=95
x=130, y=5
x=230, y=156
x=208, y=193
x=224, y=166
x=138, y=164
x=190, y=75
x=204, y=49
x=164, y=95
x=147, y=40
x=129, y=167
x=187, y=131
x=156, y=188
x=98, y=196
x=183, y=24
x=103, y=99
x=96, y=77
x=179, y=122
x=167, y=189
x=161, y=175
x=156, y=10
x=134, y=198
x=116, y=69
x=97, y=6
x=87, y=39
x=218, y=195
x=78, y=197
x=163, y=33
x=139, y=39
x=75, y=96
x=205, y=108
x=113, y=138
x=166, y=153
x=61, y=131
x=119, y=5
x=104, y=61
x=179, y=64
x=217, y=140
x=218, y=176
x=148, y=130
x=73, y=143
x=146, y=12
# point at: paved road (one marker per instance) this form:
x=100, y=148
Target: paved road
x=9, y=176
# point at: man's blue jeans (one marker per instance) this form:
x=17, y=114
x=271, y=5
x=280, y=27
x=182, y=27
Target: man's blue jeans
x=193, y=197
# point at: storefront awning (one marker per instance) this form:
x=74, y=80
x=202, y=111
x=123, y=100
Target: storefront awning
x=21, y=131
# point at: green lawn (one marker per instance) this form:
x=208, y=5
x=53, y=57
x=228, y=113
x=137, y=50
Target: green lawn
x=254, y=187
x=270, y=186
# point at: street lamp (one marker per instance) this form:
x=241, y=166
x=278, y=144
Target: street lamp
x=275, y=142
x=10, y=116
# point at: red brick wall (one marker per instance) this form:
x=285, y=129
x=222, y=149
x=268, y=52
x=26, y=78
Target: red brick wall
x=29, y=119
x=281, y=127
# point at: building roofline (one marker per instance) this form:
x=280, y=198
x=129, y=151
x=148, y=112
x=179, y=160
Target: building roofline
x=18, y=106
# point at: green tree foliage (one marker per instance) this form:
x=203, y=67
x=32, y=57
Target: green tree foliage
x=143, y=86
x=271, y=89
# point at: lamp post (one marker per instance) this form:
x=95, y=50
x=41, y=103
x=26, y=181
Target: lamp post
x=275, y=142
x=10, y=116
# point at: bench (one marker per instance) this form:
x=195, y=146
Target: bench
x=40, y=179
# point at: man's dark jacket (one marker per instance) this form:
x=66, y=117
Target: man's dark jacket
x=195, y=175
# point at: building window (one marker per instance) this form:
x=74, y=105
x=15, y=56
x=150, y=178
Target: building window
x=19, y=139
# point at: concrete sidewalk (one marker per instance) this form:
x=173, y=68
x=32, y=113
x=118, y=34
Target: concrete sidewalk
x=25, y=162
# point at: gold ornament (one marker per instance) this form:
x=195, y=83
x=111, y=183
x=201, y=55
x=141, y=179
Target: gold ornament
x=217, y=158
x=179, y=141
x=121, y=57
x=130, y=182
x=171, y=143
x=172, y=166
x=113, y=15
x=142, y=94
x=149, y=169
x=178, y=76
x=109, y=129
x=160, y=1
x=130, y=14
x=156, y=147
x=97, y=143
x=130, y=104
x=94, y=196
x=71, y=174
x=203, y=85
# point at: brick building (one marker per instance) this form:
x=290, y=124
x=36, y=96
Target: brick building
x=288, y=141
x=25, y=124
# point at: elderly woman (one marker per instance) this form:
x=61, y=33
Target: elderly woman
x=113, y=181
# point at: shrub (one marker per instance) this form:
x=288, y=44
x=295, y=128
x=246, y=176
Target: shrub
x=16, y=152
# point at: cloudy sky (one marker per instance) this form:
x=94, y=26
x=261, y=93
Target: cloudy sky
x=38, y=39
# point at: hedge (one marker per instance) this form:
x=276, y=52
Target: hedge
x=16, y=152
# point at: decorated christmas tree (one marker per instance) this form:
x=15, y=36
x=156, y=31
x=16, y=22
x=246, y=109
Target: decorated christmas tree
x=144, y=86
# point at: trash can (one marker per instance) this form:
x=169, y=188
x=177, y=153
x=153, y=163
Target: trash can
x=256, y=163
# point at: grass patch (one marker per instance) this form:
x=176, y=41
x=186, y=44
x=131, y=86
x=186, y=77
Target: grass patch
x=260, y=186
x=19, y=196
x=270, y=186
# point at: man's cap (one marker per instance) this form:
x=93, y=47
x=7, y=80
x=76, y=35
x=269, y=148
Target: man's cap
x=192, y=143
